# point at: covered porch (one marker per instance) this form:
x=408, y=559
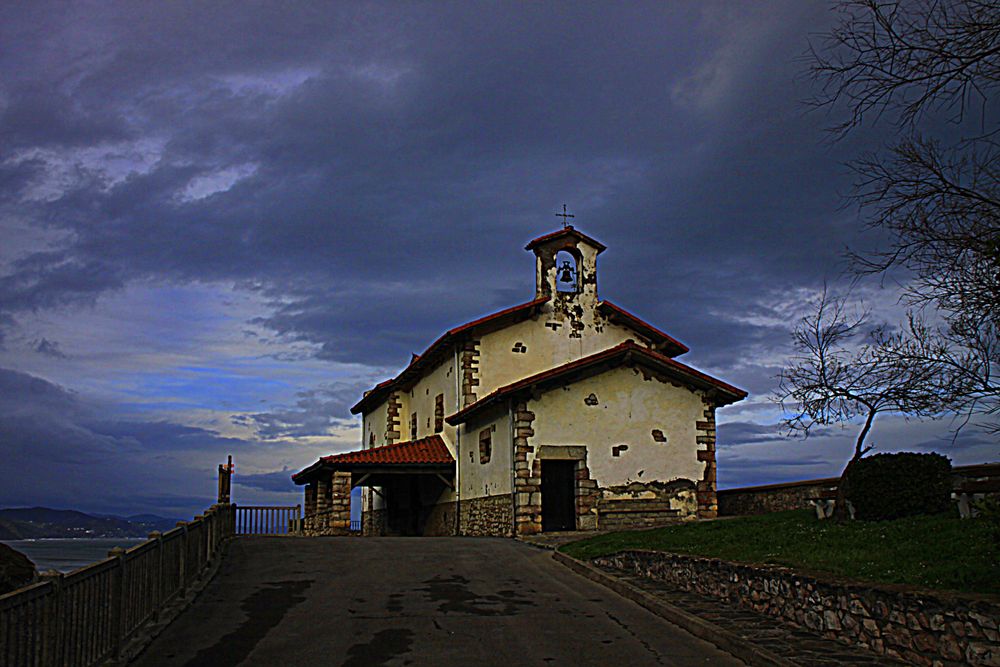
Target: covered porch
x=405, y=485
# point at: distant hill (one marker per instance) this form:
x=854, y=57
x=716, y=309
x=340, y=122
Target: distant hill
x=24, y=523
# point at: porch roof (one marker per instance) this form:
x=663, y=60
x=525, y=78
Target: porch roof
x=428, y=454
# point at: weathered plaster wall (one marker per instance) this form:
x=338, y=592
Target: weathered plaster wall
x=533, y=346
x=373, y=427
x=421, y=399
x=479, y=479
x=651, y=423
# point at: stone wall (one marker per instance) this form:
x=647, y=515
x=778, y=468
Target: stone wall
x=916, y=627
x=325, y=523
x=439, y=520
x=773, y=497
x=470, y=371
x=392, y=417
x=333, y=507
x=528, y=515
x=796, y=495
x=488, y=516
x=705, y=429
x=373, y=523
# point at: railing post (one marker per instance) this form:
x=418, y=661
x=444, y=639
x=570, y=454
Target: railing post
x=159, y=593
x=298, y=519
x=200, y=558
x=213, y=531
x=183, y=565
x=117, y=602
x=53, y=628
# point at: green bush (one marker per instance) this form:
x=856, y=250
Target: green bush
x=890, y=486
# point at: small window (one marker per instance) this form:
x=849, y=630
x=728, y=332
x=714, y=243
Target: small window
x=439, y=413
x=485, y=445
x=413, y=426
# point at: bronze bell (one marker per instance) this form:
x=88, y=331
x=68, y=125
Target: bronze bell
x=566, y=272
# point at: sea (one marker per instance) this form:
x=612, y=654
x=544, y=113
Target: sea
x=67, y=554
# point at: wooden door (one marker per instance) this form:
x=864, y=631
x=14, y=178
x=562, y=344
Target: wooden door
x=558, y=495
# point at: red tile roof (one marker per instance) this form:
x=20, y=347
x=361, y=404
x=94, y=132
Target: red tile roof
x=374, y=396
x=670, y=345
x=568, y=231
x=425, y=451
x=599, y=363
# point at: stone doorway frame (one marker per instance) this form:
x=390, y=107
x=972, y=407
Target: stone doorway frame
x=528, y=504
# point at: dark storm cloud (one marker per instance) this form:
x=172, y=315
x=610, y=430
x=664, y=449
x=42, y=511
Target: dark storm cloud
x=396, y=158
x=51, y=279
x=317, y=412
x=61, y=445
x=42, y=117
x=279, y=481
x=732, y=434
x=49, y=348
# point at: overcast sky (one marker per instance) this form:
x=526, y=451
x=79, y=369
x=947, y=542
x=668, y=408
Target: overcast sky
x=220, y=222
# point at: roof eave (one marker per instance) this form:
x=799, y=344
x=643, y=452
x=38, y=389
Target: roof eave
x=377, y=394
x=629, y=352
x=614, y=311
x=567, y=231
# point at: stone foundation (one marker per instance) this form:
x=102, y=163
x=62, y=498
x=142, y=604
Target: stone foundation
x=327, y=522
x=488, y=516
x=646, y=505
x=373, y=523
x=915, y=627
x=332, y=515
x=440, y=520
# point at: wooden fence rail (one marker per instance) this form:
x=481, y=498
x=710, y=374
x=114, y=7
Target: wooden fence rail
x=260, y=520
x=87, y=616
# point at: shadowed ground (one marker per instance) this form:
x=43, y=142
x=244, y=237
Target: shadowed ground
x=413, y=601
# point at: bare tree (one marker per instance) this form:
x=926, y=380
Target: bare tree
x=931, y=68
x=846, y=369
x=907, y=59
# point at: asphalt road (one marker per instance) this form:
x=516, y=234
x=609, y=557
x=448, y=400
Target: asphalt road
x=361, y=602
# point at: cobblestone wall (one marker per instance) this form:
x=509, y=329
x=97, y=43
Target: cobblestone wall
x=327, y=522
x=707, y=501
x=333, y=507
x=796, y=495
x=489, y=516
x=373, y=523
x=918, y=628
x=439, y=520
x=773, y=497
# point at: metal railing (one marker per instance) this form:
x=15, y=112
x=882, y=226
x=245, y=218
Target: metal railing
x=262, y=520
x=87, y=616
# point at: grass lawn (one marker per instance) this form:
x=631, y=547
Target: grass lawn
x=940, y=552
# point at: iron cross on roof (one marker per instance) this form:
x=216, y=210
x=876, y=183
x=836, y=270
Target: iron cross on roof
x=565, y=216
